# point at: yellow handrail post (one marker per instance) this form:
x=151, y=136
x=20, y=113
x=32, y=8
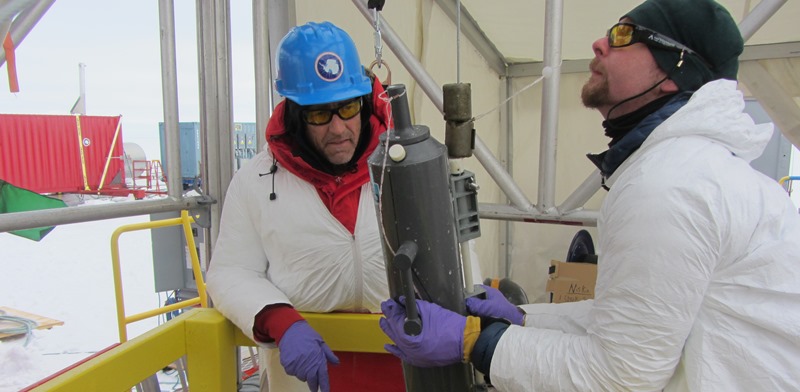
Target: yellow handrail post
x=211, y=352
x=115, y=268
x=198, y=272
x=184, y=220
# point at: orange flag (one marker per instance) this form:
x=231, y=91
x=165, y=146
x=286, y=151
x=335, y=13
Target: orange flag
x=8, y=47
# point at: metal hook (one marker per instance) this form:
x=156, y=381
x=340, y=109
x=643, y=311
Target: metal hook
x=380, y=62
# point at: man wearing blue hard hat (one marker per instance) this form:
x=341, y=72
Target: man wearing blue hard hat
x=698, y=285
x=299, y=229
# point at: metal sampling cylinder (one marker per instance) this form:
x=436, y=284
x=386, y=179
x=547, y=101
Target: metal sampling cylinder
x=415, y=208
x=459, y=127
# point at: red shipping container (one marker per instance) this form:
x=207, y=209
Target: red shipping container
x=61, y=154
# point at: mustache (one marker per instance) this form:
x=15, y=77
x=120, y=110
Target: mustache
x=594, y=66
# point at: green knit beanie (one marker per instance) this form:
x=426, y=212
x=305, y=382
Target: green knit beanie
x=702, y=25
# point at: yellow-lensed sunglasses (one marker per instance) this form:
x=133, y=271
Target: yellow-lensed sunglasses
x=625, y=34
x=346, y=110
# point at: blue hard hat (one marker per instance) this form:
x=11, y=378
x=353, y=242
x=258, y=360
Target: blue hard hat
x=318, y=63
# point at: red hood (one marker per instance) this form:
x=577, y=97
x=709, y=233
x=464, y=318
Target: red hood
x=282, y=150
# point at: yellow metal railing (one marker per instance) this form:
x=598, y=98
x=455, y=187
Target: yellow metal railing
x=122, y=320
x=203, y=335
x=209, y=341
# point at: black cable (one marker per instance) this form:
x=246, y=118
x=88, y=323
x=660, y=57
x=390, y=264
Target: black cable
x=272, y=170
x=608, y=114
x=677, y=65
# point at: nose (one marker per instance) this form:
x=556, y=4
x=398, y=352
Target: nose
x=600, y=47
x=337, y=125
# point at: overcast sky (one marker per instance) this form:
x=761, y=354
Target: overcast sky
x=119, y=43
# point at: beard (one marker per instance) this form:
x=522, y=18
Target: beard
x=595, y=94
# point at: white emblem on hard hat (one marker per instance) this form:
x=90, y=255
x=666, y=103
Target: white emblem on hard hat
x=329, y=66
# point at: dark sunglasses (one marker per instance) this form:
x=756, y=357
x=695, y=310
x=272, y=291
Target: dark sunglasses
x=345, y=111
x=625, y=34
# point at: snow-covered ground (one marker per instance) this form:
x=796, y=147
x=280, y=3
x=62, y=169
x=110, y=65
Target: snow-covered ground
x=67, y=276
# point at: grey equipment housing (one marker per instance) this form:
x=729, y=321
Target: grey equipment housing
x=415, y=206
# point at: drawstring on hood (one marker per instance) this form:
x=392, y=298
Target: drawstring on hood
x=272, y=170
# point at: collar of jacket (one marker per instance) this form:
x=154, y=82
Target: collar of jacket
x=608, y=161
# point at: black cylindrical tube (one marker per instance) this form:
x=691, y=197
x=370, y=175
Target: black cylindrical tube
x=414, y=204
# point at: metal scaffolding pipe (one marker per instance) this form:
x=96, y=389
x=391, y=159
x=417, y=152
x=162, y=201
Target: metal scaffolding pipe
x=758, y=16
x=501, y=212
x=434, y=92
x=24, y=22
x=272, y=19
x=206, y=88
x=209, y=114
x=583, y=193
x=507, y=230
x=262, y=69
x=282, y=18
x=501, y=177
x=548, y=135
x=224, y=77
x=470, y=29
x=216, y=121
x=169, y=94
x=61, y=216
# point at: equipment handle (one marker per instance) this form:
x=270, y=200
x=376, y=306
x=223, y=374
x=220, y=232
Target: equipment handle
x=403, y=260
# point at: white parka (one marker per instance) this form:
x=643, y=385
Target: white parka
x=259, y=258
x=698, y=285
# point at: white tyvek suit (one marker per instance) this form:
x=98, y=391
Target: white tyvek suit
x=698, y=286
x=325, y=269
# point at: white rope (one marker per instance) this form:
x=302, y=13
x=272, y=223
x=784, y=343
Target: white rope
x=546, y=73
x=384, y=96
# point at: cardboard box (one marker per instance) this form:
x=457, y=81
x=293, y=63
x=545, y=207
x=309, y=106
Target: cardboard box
x=571, y=282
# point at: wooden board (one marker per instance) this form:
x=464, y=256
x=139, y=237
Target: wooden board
x=41, y=321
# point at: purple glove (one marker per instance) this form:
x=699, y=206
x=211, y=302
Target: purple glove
x=496, y=306
x=440, y=343
x=305, y=356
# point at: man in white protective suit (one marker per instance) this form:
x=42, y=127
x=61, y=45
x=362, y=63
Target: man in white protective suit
x=299, y=230
x=698, y=285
